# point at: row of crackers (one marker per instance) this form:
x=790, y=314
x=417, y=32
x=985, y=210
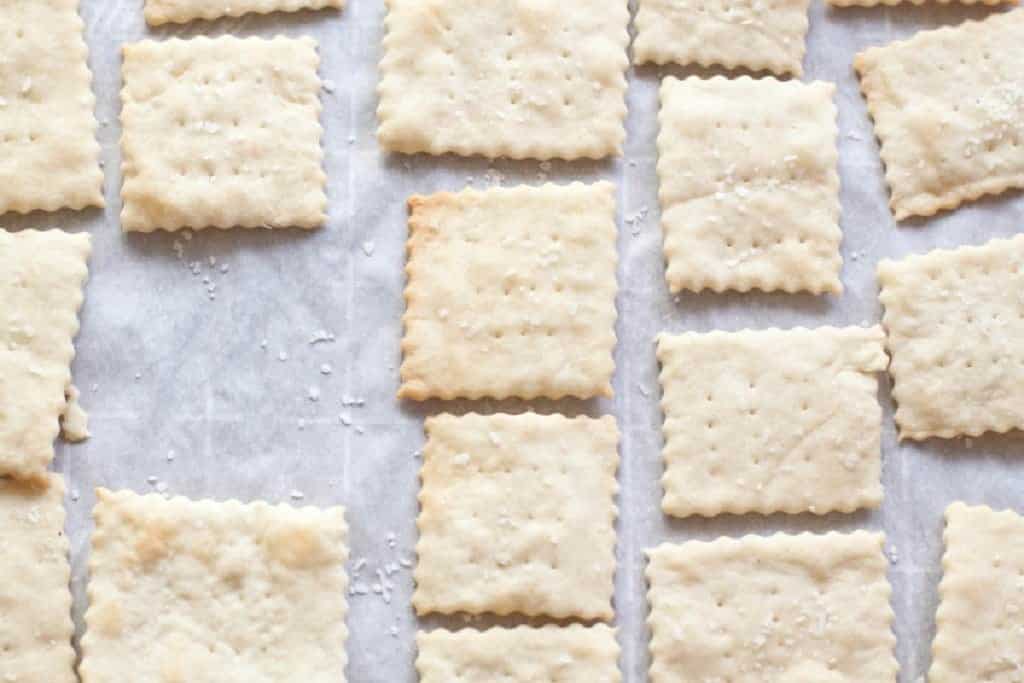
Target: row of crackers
x=184, y=590
x=225, y=132
x=511, y=294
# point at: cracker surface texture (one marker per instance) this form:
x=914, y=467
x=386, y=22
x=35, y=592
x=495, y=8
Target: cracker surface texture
x=748, y=185
x=979, y=626
x=222, y=133
x=876, y=3
x=180, y=11
x=214, y=592
x=954, y=320
x=748, y=34
x=547, y=653
x=772, y=420
x=513, y=78
x=948, y=107
x=511, y=293
x=517, y=515
x=41, y=279
x=35, y=601
x=781, y=608
x=50, y=157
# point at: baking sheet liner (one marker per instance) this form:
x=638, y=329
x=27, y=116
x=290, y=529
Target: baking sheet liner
x=263, y=364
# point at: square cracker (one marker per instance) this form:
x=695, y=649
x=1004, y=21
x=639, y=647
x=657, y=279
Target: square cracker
x=772, y=420
x=748, y=185
x=807, y=608
x=511, y=293
x=979, y=625
x=749, y=34
x=948, y=106
x=180, y=11
x=517, y=515
x=522, y=78
x=518, y=655
x=35, y=601
x=222, y=133
x=954, y=320
x=214, y=591
x=41, y=278
x=50, y=157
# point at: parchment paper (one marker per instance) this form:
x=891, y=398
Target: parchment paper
x=263, y=365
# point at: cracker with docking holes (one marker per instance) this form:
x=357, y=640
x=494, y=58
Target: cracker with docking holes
x=777, y=608
x=36, y=628
x=772, y=420
x=954, y=320
x=524, y=653
x=50, y=157
x=181, y=11
x=215, y=591
x=517, y=515
x=755, y=35
x=540, y=79
x=948, y=107
x=979, y=625
x=511, y=293
x=222, y=133
x=749, y=185
x=42, y=274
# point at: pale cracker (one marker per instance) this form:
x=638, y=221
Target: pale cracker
x=41, y=279
x=892, y=3
x=979, y=625
x=772, y=420
x=180, y=11
x=511, y=293
x=35, y=601
x=517, y=515
x=214, y=591
x=519, y=655
x=757, y=35
x=948, y=107
x=800, y=609
x=50, y=156
x=748, y=185
x=954, y=320
x=222, y=133
x=539, y=79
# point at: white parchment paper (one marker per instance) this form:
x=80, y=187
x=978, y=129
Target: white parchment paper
x=263, y=365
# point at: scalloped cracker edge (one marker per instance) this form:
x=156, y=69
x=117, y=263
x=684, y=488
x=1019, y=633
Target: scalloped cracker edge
x=517, y=515
x=181, y=11
x=511, y=293
x=948, y=108
x=748, y=185
x=782, y=608
x=210, y=590
x=36, y=627
x=50, y=153
x=42, y=274
x=954, y=321
x=538, y=80
x=979, y=624
x=772, y=420
x=522, y=653
x=222, y=133
x=748, y=34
